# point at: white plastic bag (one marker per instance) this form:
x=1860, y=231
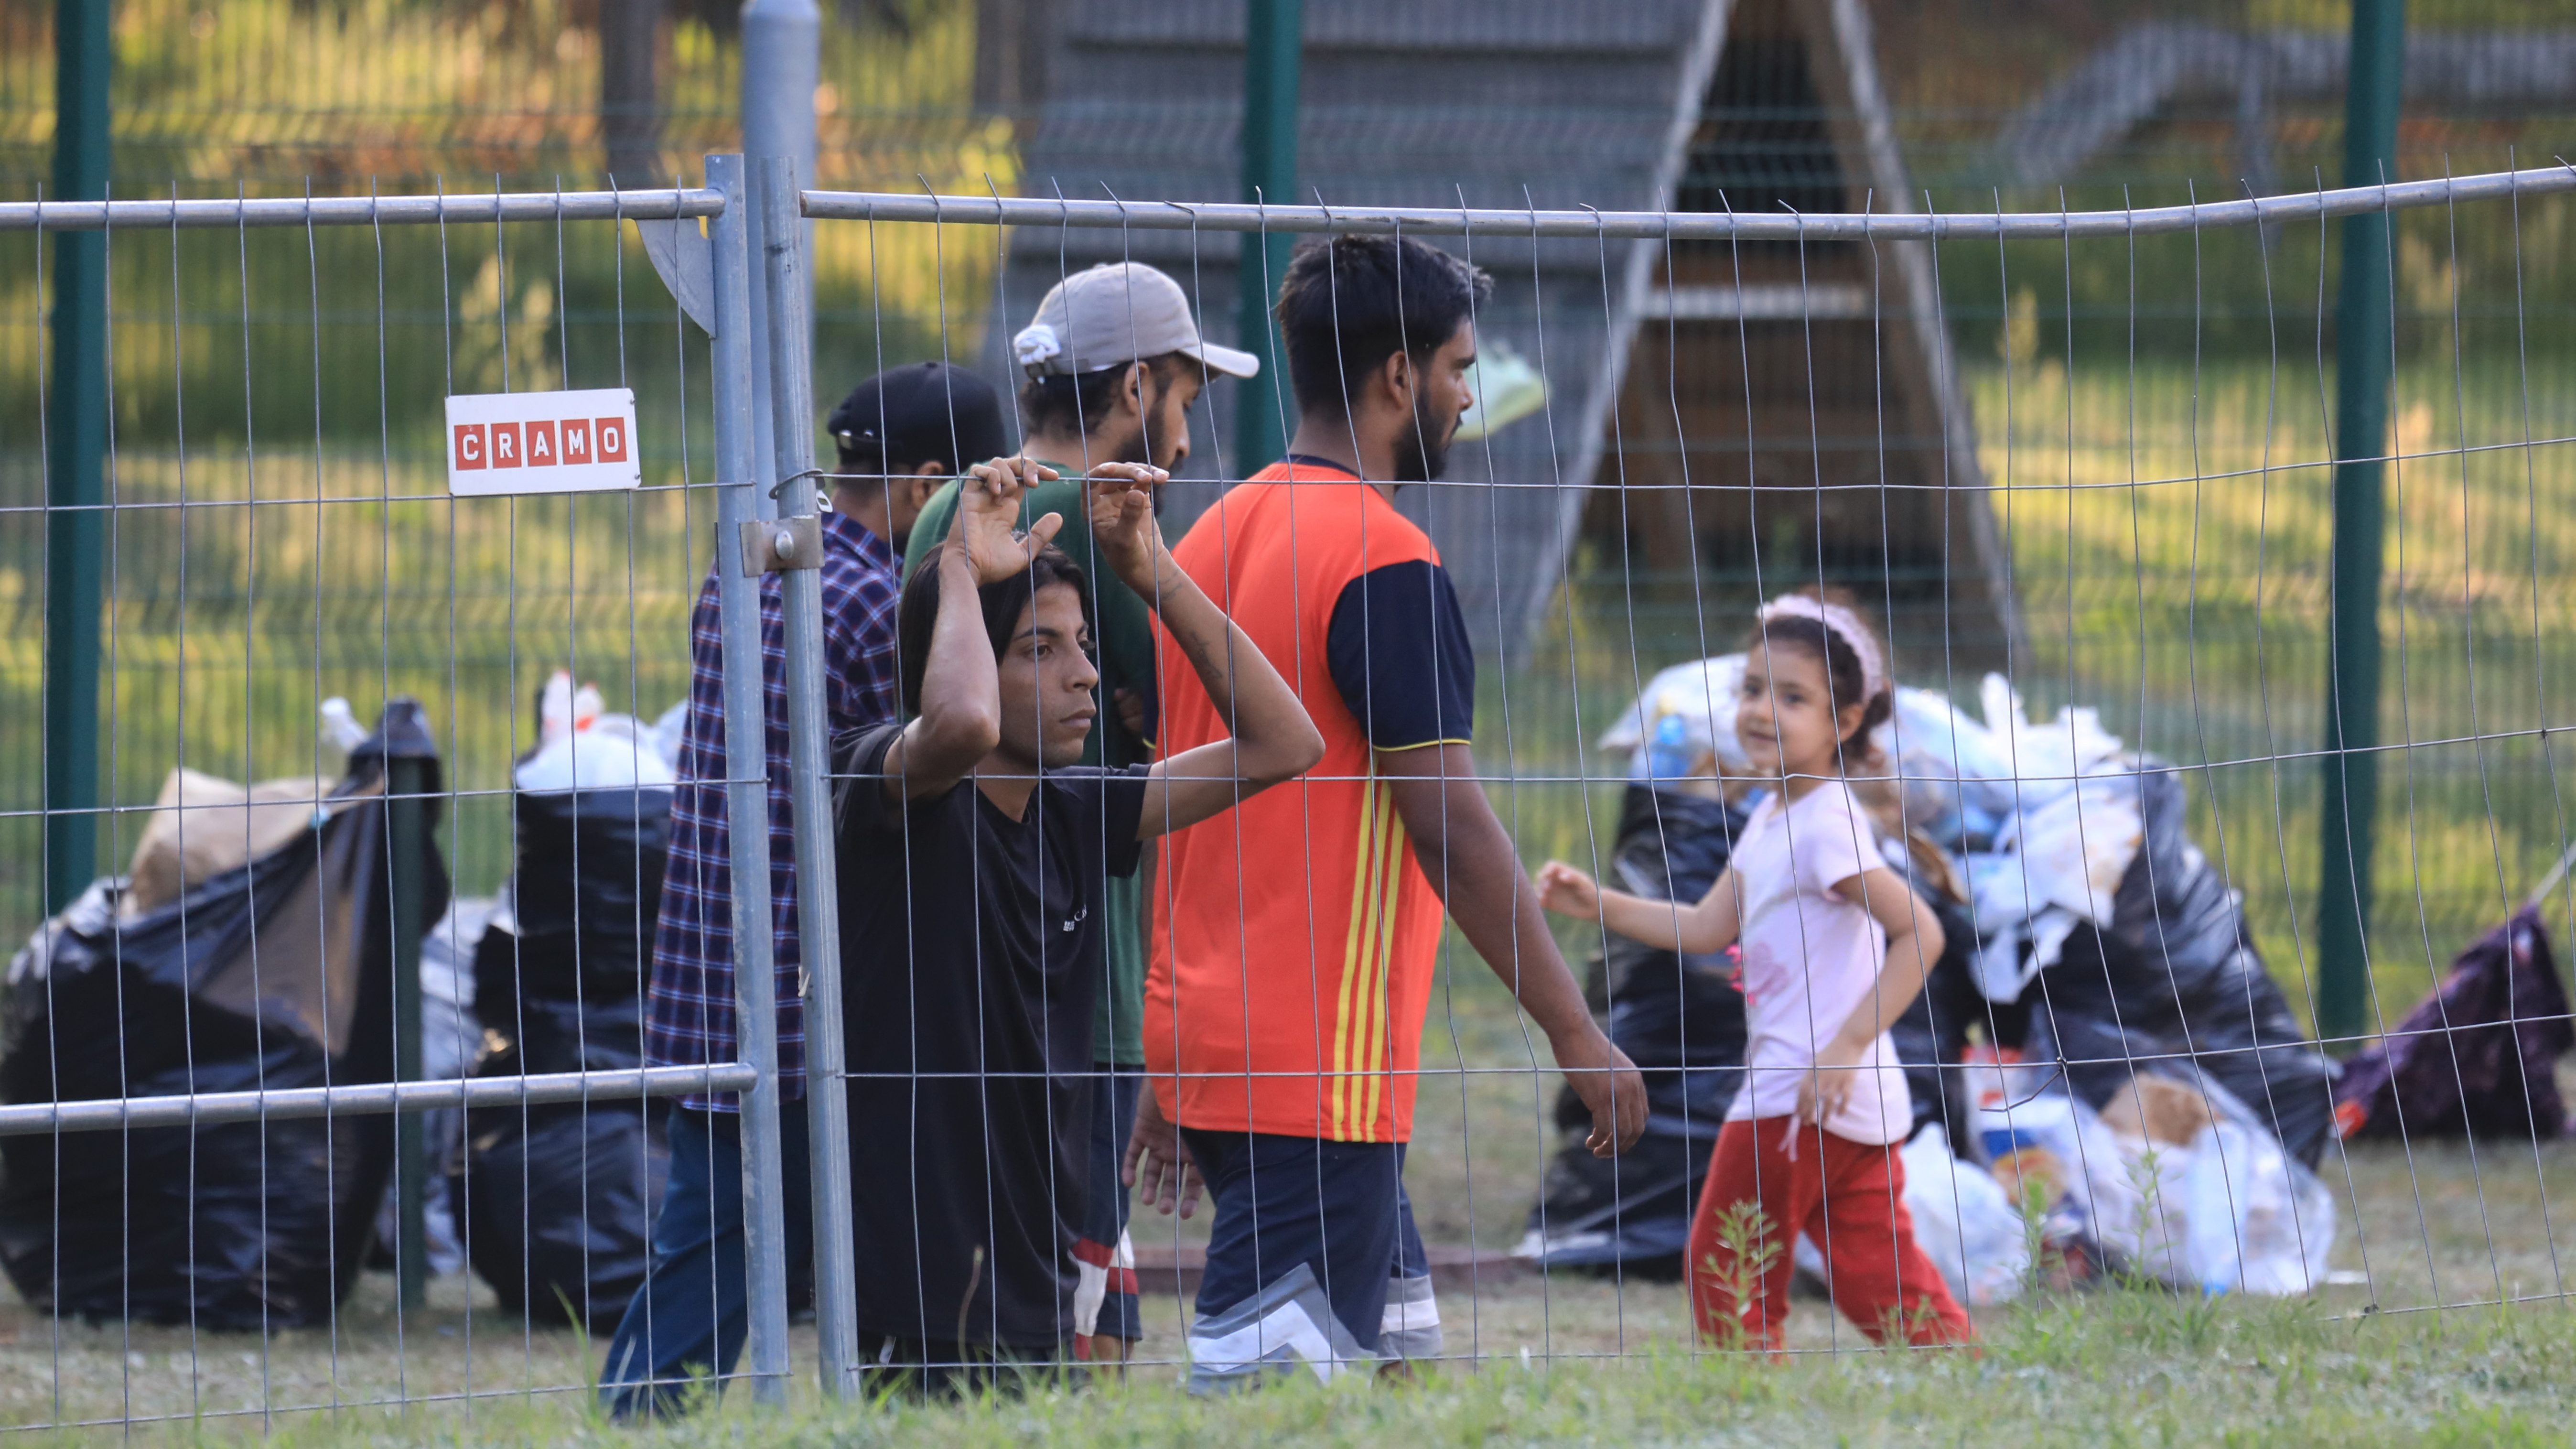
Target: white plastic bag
x=1700, y=696
x=614, y=753
x=1964, y=1222
x=670, y=733
x=1956, y=776
x=2256, y=1221
x=2229, y=1211
x=563, y=710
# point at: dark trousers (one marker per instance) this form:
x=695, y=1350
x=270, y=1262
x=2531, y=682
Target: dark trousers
x=690, y=1318
x=1336, y=1207
x=1102, y=1248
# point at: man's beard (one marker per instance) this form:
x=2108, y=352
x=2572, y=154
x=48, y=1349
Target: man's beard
x=1423, y=451
x=1140, y=448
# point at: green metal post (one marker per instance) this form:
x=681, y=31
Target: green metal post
x=2362, y=342
x=1273, y=46
x=75, y=455
x=407, y=784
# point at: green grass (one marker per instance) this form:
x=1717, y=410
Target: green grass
x=2437, y=1228
x=2110, y=1367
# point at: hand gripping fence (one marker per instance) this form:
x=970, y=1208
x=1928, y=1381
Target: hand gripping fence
x=2068, y=461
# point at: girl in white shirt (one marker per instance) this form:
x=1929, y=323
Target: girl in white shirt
x=1835, y=946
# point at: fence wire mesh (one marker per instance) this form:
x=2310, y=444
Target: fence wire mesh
x=260, y=1130
x=2092, y=526
x=2074, y=466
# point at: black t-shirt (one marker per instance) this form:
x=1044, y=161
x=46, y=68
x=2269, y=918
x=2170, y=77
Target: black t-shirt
x=971, y=953
x=1398, y=651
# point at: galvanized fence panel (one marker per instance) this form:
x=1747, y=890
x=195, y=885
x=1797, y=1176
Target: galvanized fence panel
x=2117, y=514
x=1683, y=414
x=278, y=539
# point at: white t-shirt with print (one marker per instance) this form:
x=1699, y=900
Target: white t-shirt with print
x=1810, y=957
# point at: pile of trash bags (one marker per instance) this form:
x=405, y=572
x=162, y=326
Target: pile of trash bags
x=2089, y=941
x=1680, y=1017
x=249, y=947
x=558, y=1200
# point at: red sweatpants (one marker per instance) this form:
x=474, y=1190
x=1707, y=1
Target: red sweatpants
x=1849, y=1199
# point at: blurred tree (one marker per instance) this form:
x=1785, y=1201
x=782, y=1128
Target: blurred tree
x=1010, y=58
x=630, y=117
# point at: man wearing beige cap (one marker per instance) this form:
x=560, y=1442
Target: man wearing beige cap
x=1113, y=363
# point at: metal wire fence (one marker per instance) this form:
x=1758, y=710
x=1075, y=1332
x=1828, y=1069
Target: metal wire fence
x=1734, y=404
x=223, y=1058
x=1676, y=415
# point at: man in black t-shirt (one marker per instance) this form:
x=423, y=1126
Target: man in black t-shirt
x=973, y=854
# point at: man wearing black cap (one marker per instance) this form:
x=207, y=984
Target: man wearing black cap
x=901, y=433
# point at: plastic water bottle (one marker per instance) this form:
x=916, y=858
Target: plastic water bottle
x=1668, y=752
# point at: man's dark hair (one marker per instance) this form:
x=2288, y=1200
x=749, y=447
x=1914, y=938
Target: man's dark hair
x=1347, y=305
x=1084, y=398
x=917, y=618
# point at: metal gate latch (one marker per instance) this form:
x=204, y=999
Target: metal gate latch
x=778, y=545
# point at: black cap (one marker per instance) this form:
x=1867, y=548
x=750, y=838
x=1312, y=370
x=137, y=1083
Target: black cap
x=928, y=411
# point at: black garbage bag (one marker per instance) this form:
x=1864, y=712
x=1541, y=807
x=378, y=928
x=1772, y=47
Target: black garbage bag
x=1932, y=1037
x=583, y=899
x=2176, y=979
x=2479, y=1056
x=1680, y=1018
x=276, y=974
x=559, y=1198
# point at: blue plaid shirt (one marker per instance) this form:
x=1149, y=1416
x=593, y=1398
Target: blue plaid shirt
x=689, y=1015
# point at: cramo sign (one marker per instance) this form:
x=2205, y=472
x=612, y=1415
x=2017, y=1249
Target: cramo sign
x=541, y=442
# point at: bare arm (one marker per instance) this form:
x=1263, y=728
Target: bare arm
x=1269, y=737
x=1914, y=942
x=1461, y=846
x=961, y=688
x=1710, y=924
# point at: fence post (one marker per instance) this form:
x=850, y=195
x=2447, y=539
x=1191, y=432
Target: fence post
x=2363, y=336
x=407, y=785
x=755, y=974
x=75, y=451
x=782, y=50
x=818, y=905
x=1273, y=49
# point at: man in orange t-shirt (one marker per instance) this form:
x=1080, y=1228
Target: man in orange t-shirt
x=1295, y=939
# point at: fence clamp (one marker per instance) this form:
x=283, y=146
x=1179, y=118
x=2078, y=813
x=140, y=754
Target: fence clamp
x=781, y=545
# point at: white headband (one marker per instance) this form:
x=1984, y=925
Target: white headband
x=1843, y=623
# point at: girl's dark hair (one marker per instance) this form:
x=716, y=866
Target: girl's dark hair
x=1003, y=600
x=1842, y=670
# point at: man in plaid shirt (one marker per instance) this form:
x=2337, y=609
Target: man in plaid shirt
x=904, y=432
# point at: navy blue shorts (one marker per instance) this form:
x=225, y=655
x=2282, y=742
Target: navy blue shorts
x=1336, y=1208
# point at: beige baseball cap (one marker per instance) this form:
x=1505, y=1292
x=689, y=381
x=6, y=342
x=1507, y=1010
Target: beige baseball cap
x=1114, y=314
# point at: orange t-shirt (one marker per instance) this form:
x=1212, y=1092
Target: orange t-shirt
x=1294, y=936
